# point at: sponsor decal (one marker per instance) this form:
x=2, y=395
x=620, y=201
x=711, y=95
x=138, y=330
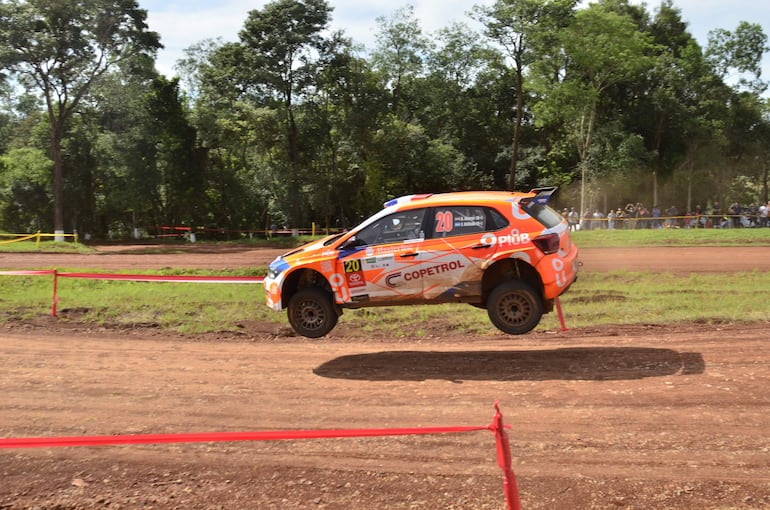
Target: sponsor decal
x=385, y=250
x=559, y=272
x=518, y=212
x=395, y=279
x=392, y=279
x=353, y=273
x=378, y=262
x=513, y=239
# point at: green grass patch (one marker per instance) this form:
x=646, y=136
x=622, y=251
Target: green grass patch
x=595, y=299
x=672, y=237
x=42, y=247
x=599, y=299
x=184, y=307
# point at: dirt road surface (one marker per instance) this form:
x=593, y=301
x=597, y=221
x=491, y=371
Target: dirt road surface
x=640, y=417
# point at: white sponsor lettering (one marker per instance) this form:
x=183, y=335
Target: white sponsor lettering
x=560, y=273
x=513, y=239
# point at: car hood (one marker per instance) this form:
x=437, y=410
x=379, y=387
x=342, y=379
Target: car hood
x=307, y=252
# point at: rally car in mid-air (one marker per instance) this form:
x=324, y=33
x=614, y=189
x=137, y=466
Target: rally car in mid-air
x=504, y=251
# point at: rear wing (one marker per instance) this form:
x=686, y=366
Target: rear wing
x=542, y=195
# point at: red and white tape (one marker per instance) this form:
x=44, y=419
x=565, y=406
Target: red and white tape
x=211, y=437
x=165, y=278
x=131, y=278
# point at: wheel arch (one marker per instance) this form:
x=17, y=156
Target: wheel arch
x=511, y=269
x=302, y=278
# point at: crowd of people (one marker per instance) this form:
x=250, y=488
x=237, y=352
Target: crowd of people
x=637, y=216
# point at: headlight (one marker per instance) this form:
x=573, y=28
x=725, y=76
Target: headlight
x=276, y=267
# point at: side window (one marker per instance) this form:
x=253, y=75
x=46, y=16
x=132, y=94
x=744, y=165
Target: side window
x=395, y=228
x=460, y=220
x=495, y=220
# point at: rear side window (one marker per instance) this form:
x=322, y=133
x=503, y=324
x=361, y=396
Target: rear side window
x=460, y=220
x=542, y=213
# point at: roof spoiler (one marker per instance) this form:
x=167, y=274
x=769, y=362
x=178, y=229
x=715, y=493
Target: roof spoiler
x=542, y=195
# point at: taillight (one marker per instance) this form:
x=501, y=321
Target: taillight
x=548, y=243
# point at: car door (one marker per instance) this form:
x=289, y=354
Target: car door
x=458, y=246
x=387, y=257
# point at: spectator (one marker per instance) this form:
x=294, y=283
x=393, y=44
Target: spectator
x=763, y=212
x=656, y=217
x=620, y=218
x=611, y=219
x=585, y=222
x=672, y=213
x=643, y=214
x=598, y=217
x=631, y=213
x=572, y=219
x=716, y=215
x=735, y=215
x=700, y=219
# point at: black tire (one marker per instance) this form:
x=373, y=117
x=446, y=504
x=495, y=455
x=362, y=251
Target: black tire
x=311, y=312
x=514, y=307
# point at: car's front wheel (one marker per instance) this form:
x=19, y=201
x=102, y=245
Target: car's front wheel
x=311, y=312
x=514, y=307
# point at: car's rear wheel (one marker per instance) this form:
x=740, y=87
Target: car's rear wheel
x=514, y=307
x=311, y=312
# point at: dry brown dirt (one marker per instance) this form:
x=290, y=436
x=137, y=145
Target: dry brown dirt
x=640, y=417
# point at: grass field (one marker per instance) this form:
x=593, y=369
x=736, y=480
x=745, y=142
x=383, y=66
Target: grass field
x=673, y=237
x=596, y=299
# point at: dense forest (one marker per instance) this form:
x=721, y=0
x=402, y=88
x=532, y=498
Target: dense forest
x=294, y=124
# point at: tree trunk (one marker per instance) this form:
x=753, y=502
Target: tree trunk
x=58, y=181
x=516, y=130
x=294, y=171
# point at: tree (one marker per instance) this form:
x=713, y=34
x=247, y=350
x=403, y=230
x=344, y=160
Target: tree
x=278, y=45
x=741, y=51
x=61, y=48
x=602, y=49
x=25, y=186
x=520, y=27
x=399, y=55
x=661, y=97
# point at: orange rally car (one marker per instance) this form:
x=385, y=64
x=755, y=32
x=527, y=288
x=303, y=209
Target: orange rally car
x=507, y=252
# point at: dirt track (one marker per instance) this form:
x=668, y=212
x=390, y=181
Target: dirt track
x=202, y=256
x=643, y=417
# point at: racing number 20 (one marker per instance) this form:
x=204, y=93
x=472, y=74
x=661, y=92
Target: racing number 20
x=352, y=266
x=444, y=221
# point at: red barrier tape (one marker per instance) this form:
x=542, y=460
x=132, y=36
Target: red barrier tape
x=165, y=278
x=211, y=437
x=497, y=427
x=504, y=460
x=141, y=277
x=131, y=278
x=27, y=273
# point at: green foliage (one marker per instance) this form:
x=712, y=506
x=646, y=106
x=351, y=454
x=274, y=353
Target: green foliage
x=61, y=48
x=292, y=124
x=25, y=189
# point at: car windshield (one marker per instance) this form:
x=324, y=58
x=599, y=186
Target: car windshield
x=333, y=238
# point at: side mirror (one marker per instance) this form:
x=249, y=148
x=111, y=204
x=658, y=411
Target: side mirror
x=351, y=243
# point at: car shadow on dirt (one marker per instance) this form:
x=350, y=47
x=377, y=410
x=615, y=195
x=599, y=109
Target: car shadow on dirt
x=579, y=363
